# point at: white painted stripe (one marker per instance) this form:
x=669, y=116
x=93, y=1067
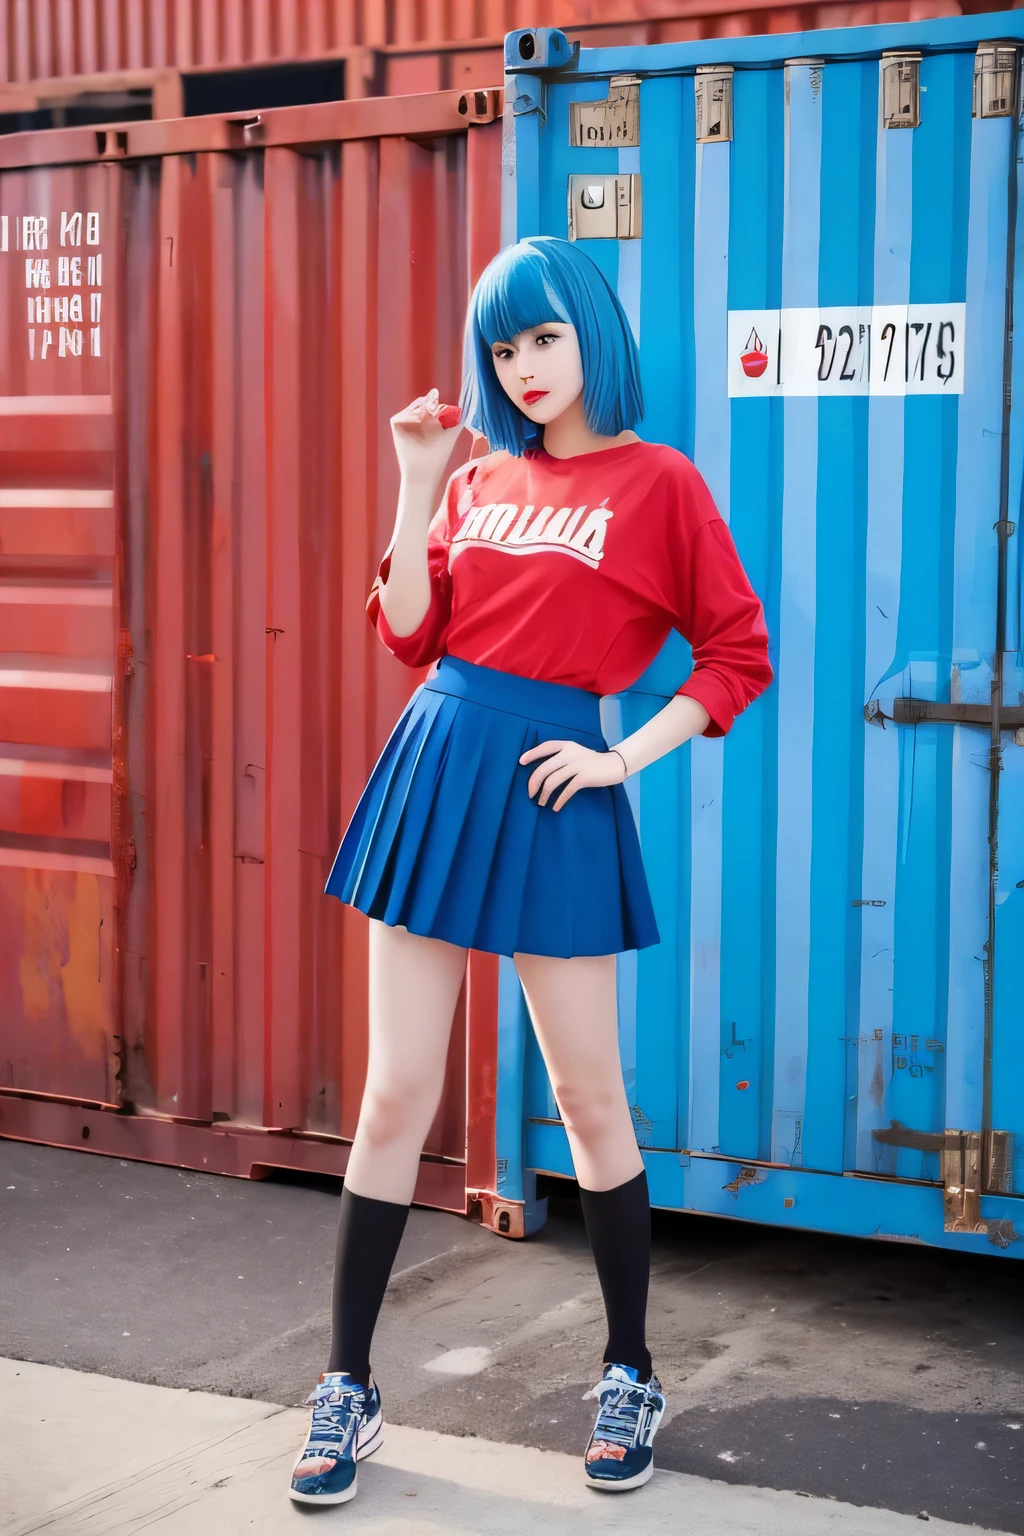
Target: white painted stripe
x=893, y=187
x=90, y=596
x=57, y=496
x=975, y=565
x=712, y=426
x=628, y=288
x=29, y=858
x=33, y=768
x=797, y=620
x=55, y=405
x=80, y=674
x=509, y=219
x=613, y=731
x=707, y=756
x=630, y=254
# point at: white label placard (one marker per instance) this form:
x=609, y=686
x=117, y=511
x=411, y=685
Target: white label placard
x=881, y=349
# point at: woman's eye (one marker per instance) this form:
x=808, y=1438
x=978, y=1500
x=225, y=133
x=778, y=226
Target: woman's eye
x=547, y=336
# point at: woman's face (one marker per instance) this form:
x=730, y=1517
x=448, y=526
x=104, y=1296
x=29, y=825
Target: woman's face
x=541, y=370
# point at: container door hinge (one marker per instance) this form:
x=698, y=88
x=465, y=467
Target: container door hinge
x=995, y=80
x=529, y=94
x=901, y=89
x=712, y=92
x=604, y=207
x=531, y=55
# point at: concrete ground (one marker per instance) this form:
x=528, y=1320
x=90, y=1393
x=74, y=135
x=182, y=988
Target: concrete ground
x=876, y=1375
x=89, y=1456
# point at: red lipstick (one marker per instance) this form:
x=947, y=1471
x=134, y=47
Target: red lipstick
x=533, y=394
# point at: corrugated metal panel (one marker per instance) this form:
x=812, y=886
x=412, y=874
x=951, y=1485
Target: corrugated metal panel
x=834, y=993
x=42, y=39
x=57, y=650
x=264, y=313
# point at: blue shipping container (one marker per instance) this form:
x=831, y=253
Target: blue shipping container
x=815, y=237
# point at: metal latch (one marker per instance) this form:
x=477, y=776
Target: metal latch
x=923, y=711
x=973, y=1163
x=610, y=124
x=712, y=92
x=901, y=89
x=995, y=80
x=961, y=1180
x=604, y=207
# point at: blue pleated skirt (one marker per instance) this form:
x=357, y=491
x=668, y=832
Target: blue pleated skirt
x=447, y=842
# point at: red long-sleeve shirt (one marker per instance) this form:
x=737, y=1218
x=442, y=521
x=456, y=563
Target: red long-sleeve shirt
x=575, y=570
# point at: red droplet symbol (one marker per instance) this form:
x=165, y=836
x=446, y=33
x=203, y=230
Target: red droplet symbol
x=743, y=1083
x=754, y=360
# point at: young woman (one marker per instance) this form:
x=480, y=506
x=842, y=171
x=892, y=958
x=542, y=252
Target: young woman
x=495, y=819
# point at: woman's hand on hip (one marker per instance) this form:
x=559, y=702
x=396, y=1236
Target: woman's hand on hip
x=569, y=766
x=422, y=445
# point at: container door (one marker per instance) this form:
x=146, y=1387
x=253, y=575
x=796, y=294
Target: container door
x=62, y=786
x=813, y=255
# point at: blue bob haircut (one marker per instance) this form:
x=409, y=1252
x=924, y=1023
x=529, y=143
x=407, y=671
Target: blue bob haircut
x=539, y=279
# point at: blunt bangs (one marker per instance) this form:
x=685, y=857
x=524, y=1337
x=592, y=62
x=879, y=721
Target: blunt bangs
x=538, y=279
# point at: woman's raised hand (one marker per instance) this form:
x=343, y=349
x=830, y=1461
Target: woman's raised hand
x=422, y=444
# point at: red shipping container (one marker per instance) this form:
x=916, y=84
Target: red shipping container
x=206, y=328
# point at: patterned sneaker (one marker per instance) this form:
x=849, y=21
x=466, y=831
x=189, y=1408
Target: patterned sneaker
x=619, y=1454
x=346, y=1425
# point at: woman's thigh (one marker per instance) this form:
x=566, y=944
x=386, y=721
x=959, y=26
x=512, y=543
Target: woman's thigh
x=572, y=1003
x=414, y=987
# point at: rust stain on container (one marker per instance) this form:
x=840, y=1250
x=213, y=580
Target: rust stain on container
x=192, y=505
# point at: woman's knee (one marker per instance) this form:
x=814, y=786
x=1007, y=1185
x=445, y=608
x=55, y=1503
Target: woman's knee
x=593, y=1110
x=398, y=1110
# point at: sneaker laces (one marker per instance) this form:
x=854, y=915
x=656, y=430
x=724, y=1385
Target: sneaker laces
x=332, y=1406
x=619, y=1413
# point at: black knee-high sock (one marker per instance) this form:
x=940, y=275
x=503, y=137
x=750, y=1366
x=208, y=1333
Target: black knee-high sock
x=619, y=1227
x=369, y=1232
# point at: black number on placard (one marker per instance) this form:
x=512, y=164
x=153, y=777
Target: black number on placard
x=944, y=354
x=888, y=331
x=917, y=326
x=847, y=330
x=825, y=336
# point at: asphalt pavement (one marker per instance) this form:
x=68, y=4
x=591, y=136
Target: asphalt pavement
x=850, y=1374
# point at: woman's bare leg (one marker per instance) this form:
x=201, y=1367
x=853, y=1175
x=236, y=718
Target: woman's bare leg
x=573, y=1007
x=414, y=987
